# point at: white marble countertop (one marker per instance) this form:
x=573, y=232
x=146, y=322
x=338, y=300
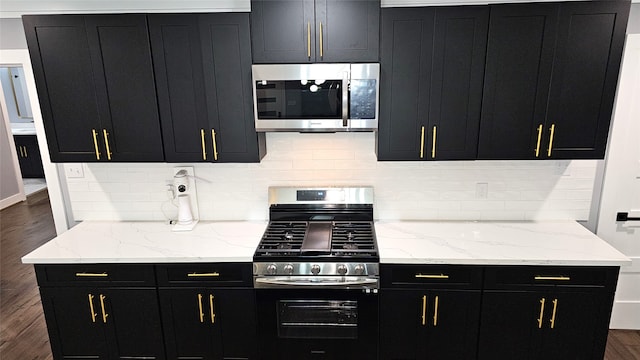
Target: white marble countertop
x=23, y=129
x=420, y=242
x=494, y=243
x=150, y=242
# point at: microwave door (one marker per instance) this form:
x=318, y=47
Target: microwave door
x=299, y=99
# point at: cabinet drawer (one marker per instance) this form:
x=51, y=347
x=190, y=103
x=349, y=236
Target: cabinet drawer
x=214, y=274
x=518, y=277
x=95, y=274
x=432, y=276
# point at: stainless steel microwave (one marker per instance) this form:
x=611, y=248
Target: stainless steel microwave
x=316, y=97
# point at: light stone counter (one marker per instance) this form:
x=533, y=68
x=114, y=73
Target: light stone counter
x=423, y=242
x=494, y=243
x=150, y=242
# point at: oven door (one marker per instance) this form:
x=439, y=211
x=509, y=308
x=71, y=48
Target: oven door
x=317, y=323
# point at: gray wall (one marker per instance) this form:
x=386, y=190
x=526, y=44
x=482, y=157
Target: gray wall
x=634, y=19
x=12, y=34
x=8, y=177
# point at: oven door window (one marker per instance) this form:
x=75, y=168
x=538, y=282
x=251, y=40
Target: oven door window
x=318, y=319
x=299, y=99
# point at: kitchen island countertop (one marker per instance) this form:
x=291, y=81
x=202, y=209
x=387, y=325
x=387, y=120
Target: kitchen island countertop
x=410, y=242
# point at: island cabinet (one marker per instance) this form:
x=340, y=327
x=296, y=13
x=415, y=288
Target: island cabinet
x=544, y=312
x=95, y=85
x=208, y=310
x=101, y=311
x=429, y=311
x=202, y=66
x=550, y=79
x=301, y=31
x=29, y=156
x=432, y=66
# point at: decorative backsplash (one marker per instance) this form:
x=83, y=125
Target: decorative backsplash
x=439, y=190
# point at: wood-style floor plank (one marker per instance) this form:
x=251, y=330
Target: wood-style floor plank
x=23, y=332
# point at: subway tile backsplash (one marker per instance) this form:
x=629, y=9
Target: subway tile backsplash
x=438, y=190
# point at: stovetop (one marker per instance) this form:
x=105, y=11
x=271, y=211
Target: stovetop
x=318, y=240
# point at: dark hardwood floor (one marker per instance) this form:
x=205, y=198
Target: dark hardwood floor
x=23, y=332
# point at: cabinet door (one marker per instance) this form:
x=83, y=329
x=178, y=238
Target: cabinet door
x=456, y=83
x=207, y=323
x=227, y=72
x=517, y=77
x=177, y=60
x=576, y=325
x=133, y=323
x=283, y=31
x=585, y=73
x=511, y=325
x=29, y=156
x=402, y=335
x=74, y=321
x=405, y=65
x=452, y=324
x=123, y=73
x=189, y=328
x=347, y=30
x=63, y=72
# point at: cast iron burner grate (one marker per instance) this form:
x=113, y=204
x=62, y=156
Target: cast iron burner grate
x=348, y=239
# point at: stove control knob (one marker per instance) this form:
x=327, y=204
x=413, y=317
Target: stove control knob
x=342, y=269
x=315, y=269
x=359, y=269
x=271, y=269
x=288, y=269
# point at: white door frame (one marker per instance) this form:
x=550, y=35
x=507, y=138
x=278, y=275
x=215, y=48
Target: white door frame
x=53, y=173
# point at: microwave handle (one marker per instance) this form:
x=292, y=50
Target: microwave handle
x=345, y=99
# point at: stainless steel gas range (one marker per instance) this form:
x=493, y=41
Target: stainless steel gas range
x=316, y=275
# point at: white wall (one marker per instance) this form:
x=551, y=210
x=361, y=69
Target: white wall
x=11, y=190
x=518, y=190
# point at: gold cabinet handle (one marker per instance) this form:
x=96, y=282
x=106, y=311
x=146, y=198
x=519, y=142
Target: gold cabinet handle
x=95, y=143
x=561, y=278
x=539, y=138
x=85, y=274
x=553, y=129
x=92, y=309
x=213, y=274
x=204, y=150
x=433, y=146
x=213, y=314
x=424, y=310
x=309, y=40
x=553, y=314
x=422, y=143
x=104, y=312
x=215, y=145
x=432, y=276
x=21, y=153
x=321, y=47
x=541, y=313
x=25, y=151
x=106, y=143
x=200, y=308
x=435, y=312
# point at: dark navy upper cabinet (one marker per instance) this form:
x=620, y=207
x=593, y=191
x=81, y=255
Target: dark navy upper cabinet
x=550, y=79
x=96, y=88
x=432, y=68
x=300, y=31
x=203, y=73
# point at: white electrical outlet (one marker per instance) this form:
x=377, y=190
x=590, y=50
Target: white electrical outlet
x=482, y=190
x=73, y=170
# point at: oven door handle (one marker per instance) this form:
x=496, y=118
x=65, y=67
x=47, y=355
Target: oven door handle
x=326, y=282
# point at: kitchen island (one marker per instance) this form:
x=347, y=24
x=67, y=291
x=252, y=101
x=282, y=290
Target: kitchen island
x=448, y=288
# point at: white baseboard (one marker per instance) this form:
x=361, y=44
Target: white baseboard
x=13, y=199
x=625, y=315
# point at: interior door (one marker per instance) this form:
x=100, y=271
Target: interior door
x=621, y=188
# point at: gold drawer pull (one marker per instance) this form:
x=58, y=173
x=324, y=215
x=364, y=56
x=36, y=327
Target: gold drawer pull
x=213, y=313
x=424, y=310
x=85, y=274
x=542, y=301
x=104, y=312
x=562, y=278
x=200, y=308
x=553, y=315
x=435, y=312
x=432, y=276
x=213, y=274
x=92, y=309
